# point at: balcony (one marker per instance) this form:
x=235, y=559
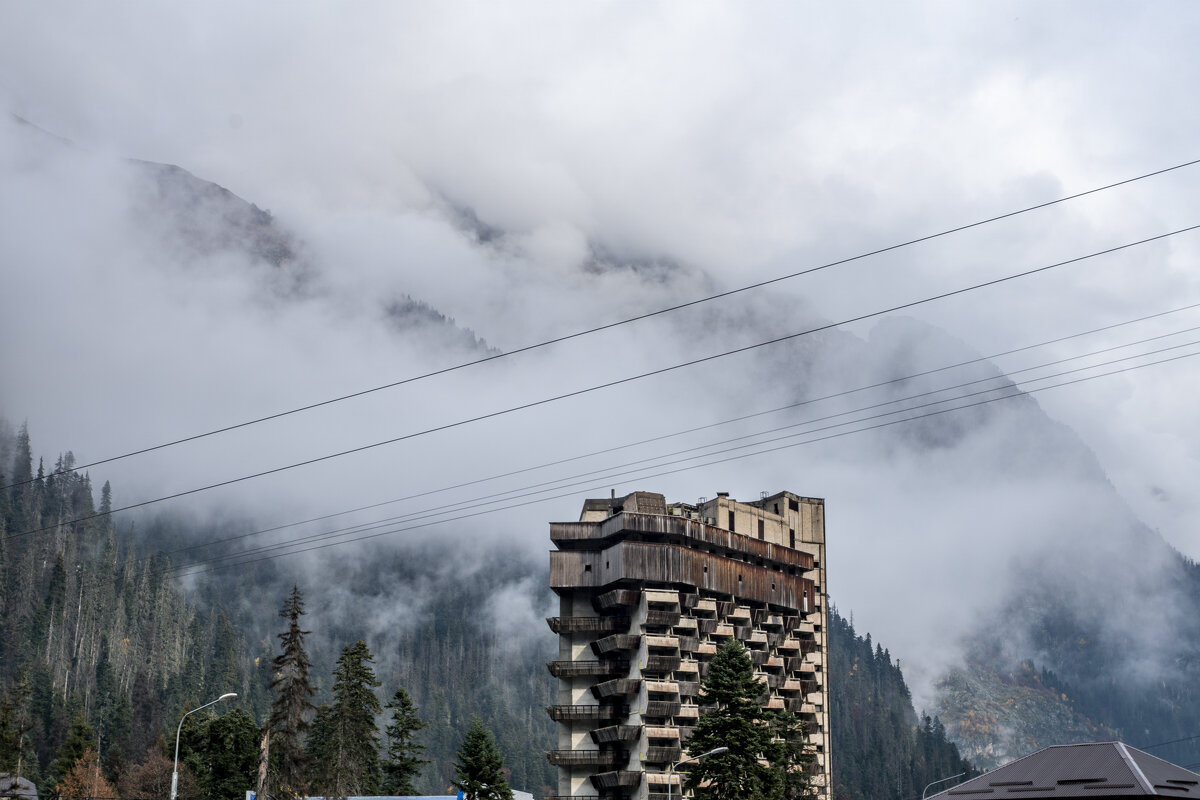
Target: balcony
x=661, y=708
x=616, y=733
x=587, y=758
x=615, y=643
x=662, y=755
x=660, y=664
x=587, y=624
x=616, y=688
x=617, y=779
x=662, y=617
x=587, y=669
x=571, y=713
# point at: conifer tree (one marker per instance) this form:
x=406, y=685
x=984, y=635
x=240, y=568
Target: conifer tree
x=344, y=746
x=480, y=767
x=403, y=762
x=736, y=721
x=292, y=708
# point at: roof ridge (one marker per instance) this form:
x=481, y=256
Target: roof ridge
x=1133, y=765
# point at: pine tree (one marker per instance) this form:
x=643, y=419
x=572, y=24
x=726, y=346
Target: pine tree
x=292, y=708
x=738, y=722
x=345, y=751
x=480, y=767
x=403, y=762
x=83, y=780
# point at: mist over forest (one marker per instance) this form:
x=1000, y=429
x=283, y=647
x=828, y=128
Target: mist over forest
x=409, y=225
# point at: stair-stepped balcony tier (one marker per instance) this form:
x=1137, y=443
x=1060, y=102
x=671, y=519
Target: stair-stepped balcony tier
x=789, y=647
x=588, y=669
x=688, y=688
x=775, y=639
x=773, y=622
x=808, y=646
x=791, y=685
x=741, y=613
x=774, y=664
x=617, y=688
x=660, y=598
x=659, y=709
x=617, y=598
x=743, y=633
x=691, y=668
x=660, y=664
x=799, y=626
x=757, y=640
x=814, y=657
x=685, y=733
x=688, y=600
x=702, y=669
x=662, y=755
x=773, y=680
x=688, y=712
x=617, y=779
x=616, y=733
x=706, y=626
x=725, y=608
x=587, y=758
x=758, y=657
x=588, y=624
x=588, y=713
x=616, y=643
x=688, y=644
x=775, y=704
x=722, y=631
x=706, y=649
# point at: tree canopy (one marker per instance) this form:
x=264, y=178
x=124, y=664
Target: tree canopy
x=480, y=767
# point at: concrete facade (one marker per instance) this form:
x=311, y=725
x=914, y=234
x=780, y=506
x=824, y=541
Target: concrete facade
x=647, y=591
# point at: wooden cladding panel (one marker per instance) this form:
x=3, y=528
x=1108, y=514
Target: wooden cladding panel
x=588, y=535
x=669, y=563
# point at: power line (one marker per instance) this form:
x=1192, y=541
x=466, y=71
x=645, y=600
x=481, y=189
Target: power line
x=210, y=565
x=861, y=409
x=619, y=381
x=697, y=429
x=619, y=323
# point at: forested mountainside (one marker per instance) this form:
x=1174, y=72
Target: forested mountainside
x=102, y=645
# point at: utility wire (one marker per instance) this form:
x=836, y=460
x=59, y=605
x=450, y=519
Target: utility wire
x=211, y=565
x=663, y=437
x=558, y=484
x=620, y=381
x=1008, y=376
x=619, y=323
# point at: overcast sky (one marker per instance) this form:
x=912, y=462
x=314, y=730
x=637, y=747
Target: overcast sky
x=711, y=145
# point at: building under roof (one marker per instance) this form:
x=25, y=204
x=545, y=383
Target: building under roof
x=1100, y=769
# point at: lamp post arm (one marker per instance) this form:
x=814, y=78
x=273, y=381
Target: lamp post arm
x=941, y=780
x=179, y=730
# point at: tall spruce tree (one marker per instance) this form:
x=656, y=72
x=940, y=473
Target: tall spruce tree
x=291, y=710
x=480, y=767
x=344, y=746
x=737, y=721
x=403, y=762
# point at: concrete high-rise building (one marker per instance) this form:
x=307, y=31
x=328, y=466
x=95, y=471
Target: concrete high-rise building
x=647, y=593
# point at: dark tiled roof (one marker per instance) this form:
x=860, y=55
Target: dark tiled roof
x=1102, y=769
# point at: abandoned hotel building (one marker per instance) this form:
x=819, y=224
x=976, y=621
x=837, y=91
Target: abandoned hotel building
x=647, y=593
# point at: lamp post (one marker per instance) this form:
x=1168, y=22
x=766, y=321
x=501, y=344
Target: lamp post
x=671, y=769
x=175, y=773
x=941, y=780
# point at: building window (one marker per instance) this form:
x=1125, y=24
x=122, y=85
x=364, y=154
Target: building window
x=732, y=527
x=794, y=505
x=762, y=529
x=792, y=538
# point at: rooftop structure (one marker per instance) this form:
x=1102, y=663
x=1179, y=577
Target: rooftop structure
x=648, y=590
x=1101, y=769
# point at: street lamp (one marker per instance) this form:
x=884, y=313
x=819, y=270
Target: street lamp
x=942, y=780
x=175, y=773
x=671, y=769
